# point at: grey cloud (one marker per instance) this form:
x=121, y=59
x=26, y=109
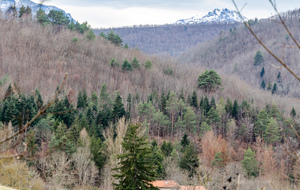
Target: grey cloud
x=171, y=4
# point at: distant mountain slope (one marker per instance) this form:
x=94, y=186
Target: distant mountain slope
x=168, y=39
x=234, y=53
x=6, y=4
x=216, y=16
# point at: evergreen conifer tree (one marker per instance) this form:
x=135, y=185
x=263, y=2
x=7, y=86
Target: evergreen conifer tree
x=22, y=11
x=166, y=148
x=274, y=89
x=189, y=160
x=190, y=120
x=194, y=102
x=293, y=112
x=235, y=109
x=209, y=81
x=118, y=108
x=272, y=132
x=258, y=59
x=262, y=72
x=249, y=163
x=136, y=168
x=213, y=102
x=126, y=65
x=181, y=96
x=135, y=64
x=260, y=125
x=184, y=141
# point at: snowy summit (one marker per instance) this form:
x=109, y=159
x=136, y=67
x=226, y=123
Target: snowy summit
x=217, y=16
x=6, y=4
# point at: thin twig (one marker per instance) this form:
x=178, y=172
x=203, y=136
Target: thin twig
x=38, y=114
x=283, y=23
x=264, y=46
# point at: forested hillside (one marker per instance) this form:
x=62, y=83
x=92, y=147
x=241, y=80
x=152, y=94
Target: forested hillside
x=168, y=39
x=191, y=124
x=237, y=52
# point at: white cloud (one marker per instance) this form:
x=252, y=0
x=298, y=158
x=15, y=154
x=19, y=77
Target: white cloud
x=109, y=17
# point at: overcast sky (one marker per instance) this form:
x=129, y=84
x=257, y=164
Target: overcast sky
x=116, y=13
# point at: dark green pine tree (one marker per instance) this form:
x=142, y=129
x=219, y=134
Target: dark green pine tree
x=184, y=141
x=262, y=73
x=213, y=102
x=258, y=59
x=163, y=103
x=263, y=85
x=97, y=156
x=205, y=106
x=30, y=109
x=104, y=117
x=194, y=102
x=235, y=109
x=189, y=160
x=80, y=101
x=22, y=11
x=136, y=168
x=166, y=148
x=158, y=159
x=118, y=108
x=279, y=77
x=10, y=112
x=293, y=112
x=126, y=65
x=90, y=116
x=201, y=102
x=274, y=89
x=135, y=64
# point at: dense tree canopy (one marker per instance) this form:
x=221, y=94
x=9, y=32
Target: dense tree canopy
x=209, y=81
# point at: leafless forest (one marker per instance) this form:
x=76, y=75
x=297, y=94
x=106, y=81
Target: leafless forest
x=168, y=39
x=234, y=52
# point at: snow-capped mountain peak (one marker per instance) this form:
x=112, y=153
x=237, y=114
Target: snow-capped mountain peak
x=216, y=16
x=6, y=4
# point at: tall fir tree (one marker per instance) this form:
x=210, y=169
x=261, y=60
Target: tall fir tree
x=293, y=112
x=194, y=102
x=258, y=59
x=274, y=89
x=262, y=73
x=136, y=167
x=118, y=108
x=135, y=64
x=235, y=109
x=184, y=141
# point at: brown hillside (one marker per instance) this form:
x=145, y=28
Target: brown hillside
x=35, y=57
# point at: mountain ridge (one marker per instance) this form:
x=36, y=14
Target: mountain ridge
x=216, y=16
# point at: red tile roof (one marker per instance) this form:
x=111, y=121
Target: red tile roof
x=165, y=183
